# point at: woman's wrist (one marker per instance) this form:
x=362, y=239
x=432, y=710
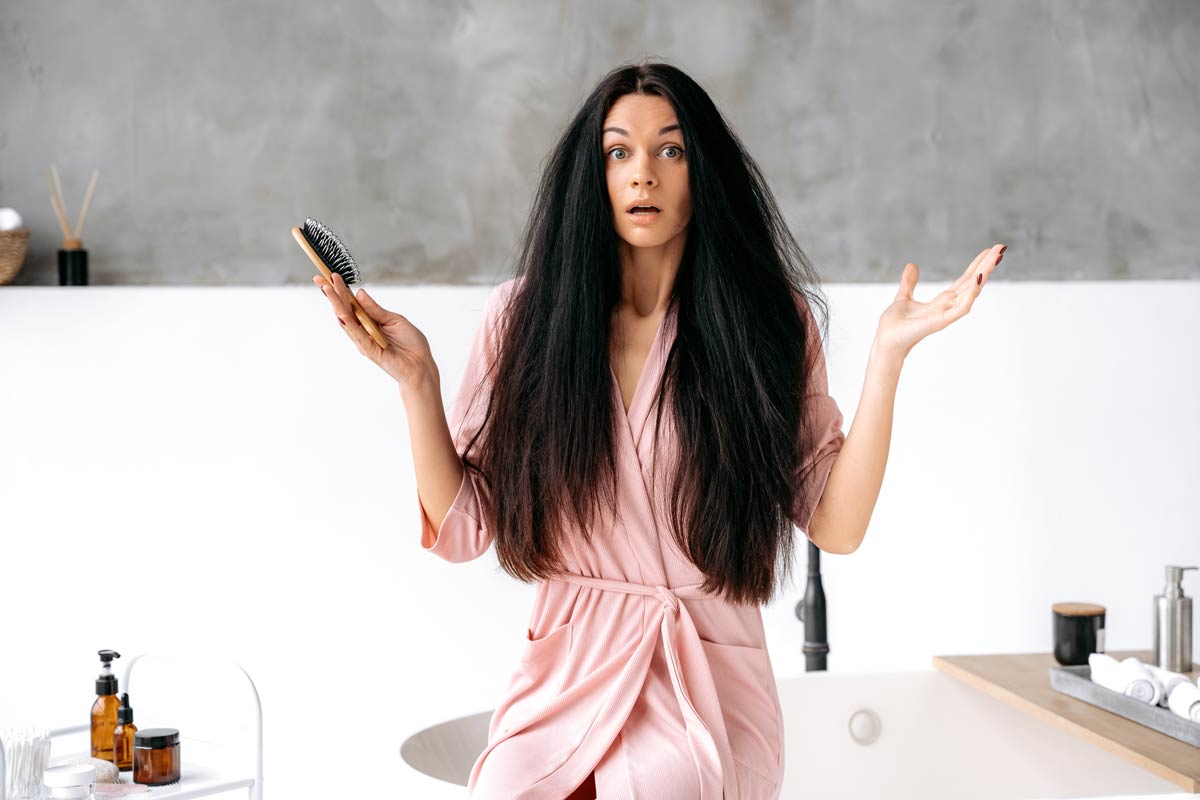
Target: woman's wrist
x=887, y=354
x=884, y=365
x=426, y=389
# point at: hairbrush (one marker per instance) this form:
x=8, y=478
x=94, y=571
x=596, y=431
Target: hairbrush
x=329, y=255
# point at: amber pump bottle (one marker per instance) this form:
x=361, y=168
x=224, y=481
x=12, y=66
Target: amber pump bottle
x=123, y=736
x=104, y=710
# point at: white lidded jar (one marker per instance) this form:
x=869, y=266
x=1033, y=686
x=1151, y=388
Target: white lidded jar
x=70, y=782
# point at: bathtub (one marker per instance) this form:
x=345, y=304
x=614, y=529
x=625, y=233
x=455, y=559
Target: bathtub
x=886, y=735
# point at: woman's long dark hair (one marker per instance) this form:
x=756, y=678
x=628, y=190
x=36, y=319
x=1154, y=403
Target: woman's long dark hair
x=736, y=377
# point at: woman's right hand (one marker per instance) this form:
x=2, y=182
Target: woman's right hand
x=407, y=357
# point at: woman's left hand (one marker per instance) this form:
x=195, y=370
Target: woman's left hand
x=907, y=321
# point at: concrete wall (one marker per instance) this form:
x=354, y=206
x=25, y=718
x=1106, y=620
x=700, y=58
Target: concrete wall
x=889, y=131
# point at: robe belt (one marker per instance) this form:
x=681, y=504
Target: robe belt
x=670, y=597
x=708, y=740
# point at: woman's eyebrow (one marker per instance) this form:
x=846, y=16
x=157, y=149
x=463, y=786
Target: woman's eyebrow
x=624, y=132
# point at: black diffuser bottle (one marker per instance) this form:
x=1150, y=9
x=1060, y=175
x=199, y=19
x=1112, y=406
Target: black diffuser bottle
x=72, y=263
x=72, y=258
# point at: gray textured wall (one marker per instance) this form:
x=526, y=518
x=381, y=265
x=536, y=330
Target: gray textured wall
x=889, y=131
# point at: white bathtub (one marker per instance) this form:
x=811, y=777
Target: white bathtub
x=936, y=738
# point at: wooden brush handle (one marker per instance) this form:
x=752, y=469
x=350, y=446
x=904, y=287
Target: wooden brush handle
x=364, y=318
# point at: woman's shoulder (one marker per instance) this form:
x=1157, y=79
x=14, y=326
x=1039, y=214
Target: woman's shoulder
x=505, y=290
x=497, y=302
x=498, y=299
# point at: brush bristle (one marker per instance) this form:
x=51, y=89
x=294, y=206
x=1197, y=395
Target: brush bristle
x=331, y=250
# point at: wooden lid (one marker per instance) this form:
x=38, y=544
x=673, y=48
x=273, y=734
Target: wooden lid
x=1078, y=609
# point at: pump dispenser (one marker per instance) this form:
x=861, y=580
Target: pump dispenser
x=104, y=710
x=1173, y=624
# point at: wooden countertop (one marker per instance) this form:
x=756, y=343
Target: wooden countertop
x=1023, y=680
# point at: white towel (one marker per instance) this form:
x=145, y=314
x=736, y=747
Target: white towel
x=1121, y=677
x=1185, y=701
x=1168, y=679
x=1159, y=692
x=1178, y=693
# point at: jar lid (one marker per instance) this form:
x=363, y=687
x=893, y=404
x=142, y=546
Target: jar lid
x=156, y=737
x=69, y=775
x=1078, y=609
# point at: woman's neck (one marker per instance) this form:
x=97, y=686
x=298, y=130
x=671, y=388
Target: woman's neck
x=648, y=276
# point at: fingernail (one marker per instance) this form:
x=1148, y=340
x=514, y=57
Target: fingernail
x=343, y=322
x=1002, y=249
x=979, y=279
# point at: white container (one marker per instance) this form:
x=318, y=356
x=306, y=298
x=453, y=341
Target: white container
x=70, y=782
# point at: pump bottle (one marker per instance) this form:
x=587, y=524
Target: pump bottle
x=104, y=710
x=1173, y=624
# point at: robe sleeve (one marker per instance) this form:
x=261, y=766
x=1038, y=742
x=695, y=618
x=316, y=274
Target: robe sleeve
x=463, y=535
x=824, y=420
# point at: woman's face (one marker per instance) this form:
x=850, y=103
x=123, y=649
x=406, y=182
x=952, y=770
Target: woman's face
x=645, y=164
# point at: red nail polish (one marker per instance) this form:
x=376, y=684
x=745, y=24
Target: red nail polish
x=979, y=279
x=343, y=322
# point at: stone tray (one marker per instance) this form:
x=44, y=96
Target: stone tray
x=1077, y=682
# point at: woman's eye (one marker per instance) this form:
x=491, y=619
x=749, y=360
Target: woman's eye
x=678, y=151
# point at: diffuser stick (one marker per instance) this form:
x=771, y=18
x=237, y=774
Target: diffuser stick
x=86, y=200
x=61, y=197
x=59, y=210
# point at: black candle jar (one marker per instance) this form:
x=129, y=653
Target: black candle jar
x=1078, y=632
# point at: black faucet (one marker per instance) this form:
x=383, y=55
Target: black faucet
x=811, y=611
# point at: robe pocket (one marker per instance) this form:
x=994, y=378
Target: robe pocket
x=535, y=682
x=544, y=651
x=543, y=666
x=745, y=686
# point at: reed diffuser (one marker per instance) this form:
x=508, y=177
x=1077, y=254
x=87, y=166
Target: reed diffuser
x=72, y=257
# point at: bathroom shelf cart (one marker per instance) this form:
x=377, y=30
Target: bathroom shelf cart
x=206, y=765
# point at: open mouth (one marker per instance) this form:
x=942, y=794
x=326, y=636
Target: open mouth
x=644, y=212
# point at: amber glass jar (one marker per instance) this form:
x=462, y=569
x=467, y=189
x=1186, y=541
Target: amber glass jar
x=156, y=756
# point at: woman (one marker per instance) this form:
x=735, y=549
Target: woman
x=654, y=537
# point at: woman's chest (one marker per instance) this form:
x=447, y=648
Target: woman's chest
x=629, y=351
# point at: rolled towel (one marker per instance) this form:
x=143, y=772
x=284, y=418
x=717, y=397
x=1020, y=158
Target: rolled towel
x=1121, y=677
x=9, y=219
x=1168, y=679
x=1106, y=671
x=1140, y=669
x=1184, y=700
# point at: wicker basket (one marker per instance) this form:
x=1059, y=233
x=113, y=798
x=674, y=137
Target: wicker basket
x=12, y=253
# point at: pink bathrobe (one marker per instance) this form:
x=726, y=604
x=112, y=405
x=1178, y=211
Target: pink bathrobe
x=628, y=669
